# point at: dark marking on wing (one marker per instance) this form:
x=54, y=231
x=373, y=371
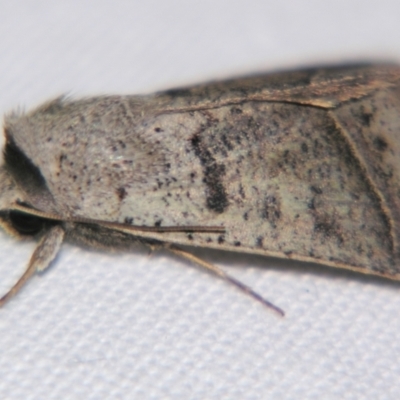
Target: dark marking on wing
x=380, y=143
x=121, y=193
x=271, y=210
x=213, y=172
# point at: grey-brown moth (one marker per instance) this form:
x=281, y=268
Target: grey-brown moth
x=303, y=165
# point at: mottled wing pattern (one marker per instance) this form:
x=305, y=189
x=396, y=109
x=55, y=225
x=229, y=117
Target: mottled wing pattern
x=301, y=165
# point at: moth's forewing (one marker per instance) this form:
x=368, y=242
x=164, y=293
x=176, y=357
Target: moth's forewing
x=300, y=165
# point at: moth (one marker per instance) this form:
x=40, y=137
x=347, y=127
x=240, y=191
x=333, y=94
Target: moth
x=303, y=165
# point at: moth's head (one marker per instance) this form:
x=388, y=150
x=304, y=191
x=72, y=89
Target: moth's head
x=20, y=182
x=14, y=222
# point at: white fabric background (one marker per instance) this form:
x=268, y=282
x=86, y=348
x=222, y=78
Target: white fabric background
x=129, y=326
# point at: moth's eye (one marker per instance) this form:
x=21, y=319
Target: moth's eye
x=25, y=224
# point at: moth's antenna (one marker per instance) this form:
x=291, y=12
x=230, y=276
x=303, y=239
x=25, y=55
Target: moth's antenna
x=131, y=229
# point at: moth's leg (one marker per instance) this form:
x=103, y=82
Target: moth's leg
x=222, y=274
x=44, y=254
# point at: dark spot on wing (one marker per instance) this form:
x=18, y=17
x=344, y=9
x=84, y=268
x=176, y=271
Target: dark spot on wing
x=271, y=210
x=316, y=189
x=128, y=220
x=216, y=197
x=236, y=110
x=121, y=193
x=328, y=228
x=241, y=192
x=311, y=204
x=366, y=119
x=380, y=143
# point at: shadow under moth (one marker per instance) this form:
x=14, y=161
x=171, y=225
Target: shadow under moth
x=303, y=165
